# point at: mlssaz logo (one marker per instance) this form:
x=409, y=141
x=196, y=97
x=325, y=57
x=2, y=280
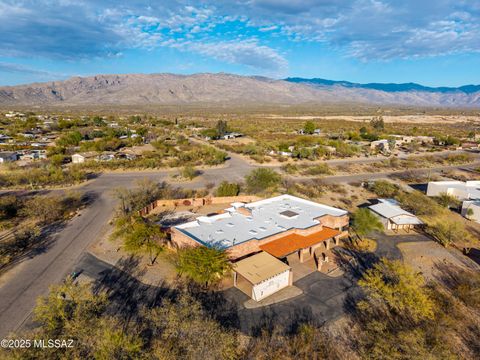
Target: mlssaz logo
x=53, y=343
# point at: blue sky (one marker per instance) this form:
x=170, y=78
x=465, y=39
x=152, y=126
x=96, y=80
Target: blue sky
x=435, y=43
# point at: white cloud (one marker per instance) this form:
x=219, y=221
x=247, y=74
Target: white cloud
x=366, y=29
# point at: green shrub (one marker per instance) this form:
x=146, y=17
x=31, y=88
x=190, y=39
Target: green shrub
x=320, y=169
x=227, y=189
x=384, y=189
x=262, y=179
x=189, y=172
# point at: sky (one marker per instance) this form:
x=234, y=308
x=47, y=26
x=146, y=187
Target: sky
x=431, y=42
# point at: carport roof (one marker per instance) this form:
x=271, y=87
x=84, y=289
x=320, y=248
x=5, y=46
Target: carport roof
x=294, y=242
x=388, y=208
x=260, y=267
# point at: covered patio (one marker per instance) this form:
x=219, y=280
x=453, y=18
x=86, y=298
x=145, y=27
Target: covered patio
x=313, y=248
x=304, y=246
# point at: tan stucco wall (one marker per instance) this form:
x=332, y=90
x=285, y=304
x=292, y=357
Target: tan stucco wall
x=334, y=222
x=181, y=240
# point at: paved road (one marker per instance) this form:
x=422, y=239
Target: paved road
x=20, y=287
x=334, y=179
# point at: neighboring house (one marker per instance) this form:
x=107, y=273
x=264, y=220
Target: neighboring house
x=231, y=135
x=402, y=139
x=425, y=139
x=468, y=192
x=80, y=158
x=286, y=227
x=381, y=145
x=106, y=157
x=315, y=132
x=472, y=206
x=4, y=138
x=469, y=145
x=8, y=156
x=393, y=217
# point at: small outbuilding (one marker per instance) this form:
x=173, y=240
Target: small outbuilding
x=393, y=217
x=261, y=275
x=80, y=158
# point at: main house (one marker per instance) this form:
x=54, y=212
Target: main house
x=259, y=236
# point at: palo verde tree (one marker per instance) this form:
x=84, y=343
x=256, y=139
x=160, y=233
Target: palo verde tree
x=262, y=179
x=203, y=265
x=141, y=236
x=365, y=222
x=227, y=189
x=399, y=288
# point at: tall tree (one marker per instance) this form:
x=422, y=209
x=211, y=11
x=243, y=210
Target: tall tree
x=365, y=222
x=262, y=179
x=141, y=236
x=222, y=128
x=202, y=264
x=400, y=288
x=309, y=127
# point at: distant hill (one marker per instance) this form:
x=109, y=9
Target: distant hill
x=228, y=89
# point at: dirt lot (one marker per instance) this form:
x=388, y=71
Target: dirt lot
x=111, y=252
x=423, y=256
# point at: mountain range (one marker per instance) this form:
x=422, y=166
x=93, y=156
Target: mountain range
x=221, y=88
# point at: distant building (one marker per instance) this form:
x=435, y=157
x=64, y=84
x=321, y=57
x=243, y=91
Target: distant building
x=425, y=139
x=315, y=132
x=106, y=157
x=231, y=135
x=393, y=217
x=471, y=210
x=8, y=156
x=469, y=145
x=467, y=192
x=80, y=158
x=381, y=145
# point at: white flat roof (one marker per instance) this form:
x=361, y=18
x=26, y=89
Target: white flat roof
x=472, y=187
x=268, y=217
x=388, y=208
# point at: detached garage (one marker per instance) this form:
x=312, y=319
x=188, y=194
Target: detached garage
x=261, y=275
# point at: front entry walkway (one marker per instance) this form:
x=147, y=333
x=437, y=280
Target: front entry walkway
x=300, y=269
